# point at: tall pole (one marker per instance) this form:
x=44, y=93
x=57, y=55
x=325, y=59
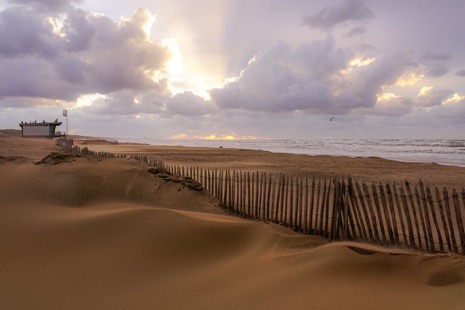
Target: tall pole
x=65, y=114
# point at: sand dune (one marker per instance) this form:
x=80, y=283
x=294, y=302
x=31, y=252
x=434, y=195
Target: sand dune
x=79, y=233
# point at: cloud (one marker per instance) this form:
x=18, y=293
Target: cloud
x=285, y=79
x=356, y=31
x=460, y=73
x=32, y=35
x=45, y=5
x=189, y=104
x=329, y=17
x=436, y=64
x=88, y=54
x=429, y=97
x=314, y=78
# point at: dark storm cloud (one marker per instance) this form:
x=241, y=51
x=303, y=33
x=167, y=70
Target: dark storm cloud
x=351, y=10
x=89, y=54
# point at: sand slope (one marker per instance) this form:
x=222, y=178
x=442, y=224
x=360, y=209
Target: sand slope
x=80, y=233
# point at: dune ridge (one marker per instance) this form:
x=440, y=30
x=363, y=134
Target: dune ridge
x=104, y=233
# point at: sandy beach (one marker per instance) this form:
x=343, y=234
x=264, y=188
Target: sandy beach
x=104, y=233
x=361, y=168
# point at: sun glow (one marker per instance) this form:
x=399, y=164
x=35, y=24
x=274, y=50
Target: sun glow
x=212, y=137
x=179, y=80
x=174, y=66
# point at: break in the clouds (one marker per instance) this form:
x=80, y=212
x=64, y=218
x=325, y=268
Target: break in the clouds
x=264, y=68
x=340, y=13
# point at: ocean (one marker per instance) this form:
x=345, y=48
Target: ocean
x=440, y=151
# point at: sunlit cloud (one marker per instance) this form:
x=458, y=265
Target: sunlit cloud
x=425, y=90
x=57, y=27
x=385, y=97
x=88, y=99
x=361, y=62
x=356, y=62
x=409, y=79
x=455, y=98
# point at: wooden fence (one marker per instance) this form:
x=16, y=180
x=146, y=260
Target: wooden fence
x=339, y=208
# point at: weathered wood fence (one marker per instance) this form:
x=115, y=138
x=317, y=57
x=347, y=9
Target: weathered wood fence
x=339, y=208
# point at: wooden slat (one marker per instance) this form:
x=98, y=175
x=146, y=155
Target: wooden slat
x=450, y=220
x=361, y=199
x=305, y=210
x=402, y=218
x=313, y=206
x=249, y=196
x=282, y=199
x=387, y=216
x=345, y=217
x=321, y=209
x=354, y=205
x=443, y=219
x=291, y=208
x=273, y=214
x=429, y=197
x=414, y=214
x=458, y=216
x=374, y=224
x=423, y=208
x=300, y=206
x=396, y=220
x=327, y=208
x=335, y=209
x=378, y=212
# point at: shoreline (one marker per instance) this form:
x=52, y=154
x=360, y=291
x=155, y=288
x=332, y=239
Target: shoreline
x=280, y=146
x=363, y=168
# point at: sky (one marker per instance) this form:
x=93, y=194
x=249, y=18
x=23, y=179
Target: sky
x=236, y=69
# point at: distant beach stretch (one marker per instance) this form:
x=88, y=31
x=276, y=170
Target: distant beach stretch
x=441, y=151
x=97, y=232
